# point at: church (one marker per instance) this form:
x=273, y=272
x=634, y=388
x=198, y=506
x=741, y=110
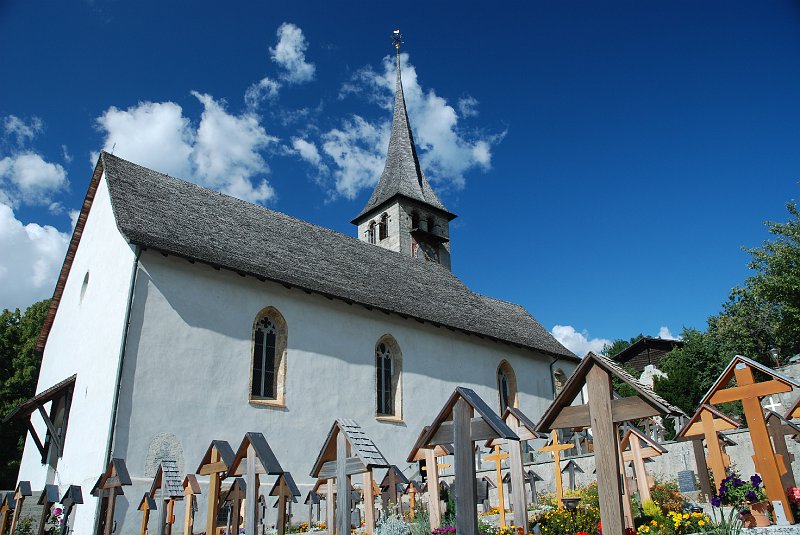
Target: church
x=182, y=316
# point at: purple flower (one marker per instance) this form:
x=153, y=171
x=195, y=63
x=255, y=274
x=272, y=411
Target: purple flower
x=715, y=501
x=738, y=482
x=750, y=496
x=755, y=479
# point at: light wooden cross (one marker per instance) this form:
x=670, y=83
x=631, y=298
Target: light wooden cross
x=236, y=495
x=48, y=497
x=411, y=490
x=145, y=506
x=706, y=423
x=22, y=492
x=770, y=465
x=556, y=448
x=286, y=490
x=637, y=454
x=6, y=510
x=190, y=489
x=497, y=458
x=215, y=463
x=431, y=457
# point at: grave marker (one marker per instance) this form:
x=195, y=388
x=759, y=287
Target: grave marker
x=191, y=488
x=555, y=447
x=6, y=510
x=431, y=458
x=108, y=487
x=145, y=506
x=286, y=490
x=215, y=463
x=167, y=486
x=642, y=447
x=47, y=498
x=72, y=497
x=779, y=427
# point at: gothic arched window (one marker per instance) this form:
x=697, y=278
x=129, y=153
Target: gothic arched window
x=388, y=370
x=506, y=386
x=268, y=378
x=383, y=227
x=371, y=232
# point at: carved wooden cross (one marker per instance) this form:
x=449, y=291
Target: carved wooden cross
x=556, y=448
x=6, y=510
x=497, y=459
x=532, y=477
x=571, y=468
x=236, y=495
x=145, y=506
x=779, y=428
x=215, y=463
x=770, y=465
x=286, y=490
x=48, y=497
x=637, y=455
x=22, y=492
x=190, y=489
x=706, y=423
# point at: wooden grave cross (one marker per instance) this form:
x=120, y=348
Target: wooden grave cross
x=706, y=423
x=6, y=510
x=555, y=447
x=109, y=486
x=145, y=506
x=431, y=457
x=286, y=490
x=637, y=454
x=215, y=463
x=770, y=465
x=312, y=499
x=254, y=458
x=168, y=487
x=23, y=491
x=571, y=468
x=191, y=488
x=532, y=477
x=72, y=497
x=779, y=427
x=347, y=451
x=48, y=497
x=464, y=420
x=497, y=458
x=525, y=429
x=412, y=489
x=604, y=412
x=390, y=491
x=236, y=495
x=794, y=411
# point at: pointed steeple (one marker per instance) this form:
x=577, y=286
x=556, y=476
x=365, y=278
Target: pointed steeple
x=402, y=174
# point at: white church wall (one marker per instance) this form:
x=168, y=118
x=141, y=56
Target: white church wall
x=187, y=368
x=85, y=340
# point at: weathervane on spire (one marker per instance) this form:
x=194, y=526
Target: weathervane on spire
x=397, y=39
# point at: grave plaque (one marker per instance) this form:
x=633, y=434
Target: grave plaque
x=686, y=481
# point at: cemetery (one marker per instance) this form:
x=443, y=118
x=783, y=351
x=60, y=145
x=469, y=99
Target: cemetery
x=473, y=474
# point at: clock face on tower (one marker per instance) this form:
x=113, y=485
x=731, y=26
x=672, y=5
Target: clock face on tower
x=429, y=252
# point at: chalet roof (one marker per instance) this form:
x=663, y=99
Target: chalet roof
x=8, y=499
x=791, y=425
x=25, y=408
x=570, y=463
x=481, y=410
x=418, y=486
x=312, y=497
x=361, y=446
x=167, y=481
x=72, y=496
x=578, y=378
x=156, y=211
x=147, y=502
x=416, y=453
x=528, y=427
x=530, y=474
x=632, y=433
x=402, y=173
x=190, y=482
x=266, y=462
x=225, y=452
x=23, y=489
x=290, y=484
x=728, y=373
x=733, y=422
x=646, y=342
x=794, y=410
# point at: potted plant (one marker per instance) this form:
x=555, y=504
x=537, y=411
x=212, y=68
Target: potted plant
x=748, y=496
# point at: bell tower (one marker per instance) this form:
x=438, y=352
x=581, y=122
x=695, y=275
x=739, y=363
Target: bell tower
x=403, y=213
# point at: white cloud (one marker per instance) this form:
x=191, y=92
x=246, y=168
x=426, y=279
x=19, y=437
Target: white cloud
x=308, y=151
x=664, y=333
x=447, y=152
x=266, y=88
x=31, y=259
x=578, y=342
x=358, y=150
x=27, y=178
x=222, y=153
x=290, y=53
x=468, y=106
x=66, y=154
x=24, y=132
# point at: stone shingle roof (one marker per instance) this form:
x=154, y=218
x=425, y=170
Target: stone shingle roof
x=156, y=211
x=402, y=174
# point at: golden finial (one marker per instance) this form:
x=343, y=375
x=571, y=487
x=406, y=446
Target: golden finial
x=397, y=39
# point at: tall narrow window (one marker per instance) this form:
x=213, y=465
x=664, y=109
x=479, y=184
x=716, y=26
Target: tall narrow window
x=269, y=357
x=383, y=227
x=388, y=364
x=371, y=233
x=506, y=386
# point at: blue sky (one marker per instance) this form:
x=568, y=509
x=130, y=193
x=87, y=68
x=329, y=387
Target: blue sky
x=607, y=160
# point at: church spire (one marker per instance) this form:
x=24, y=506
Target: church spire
x=402, y=174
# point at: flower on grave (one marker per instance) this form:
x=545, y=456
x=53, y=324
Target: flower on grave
x=716, y=502
x=755, y=479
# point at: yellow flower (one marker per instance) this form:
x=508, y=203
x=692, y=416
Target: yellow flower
x=654, y=522
x=701, y=523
